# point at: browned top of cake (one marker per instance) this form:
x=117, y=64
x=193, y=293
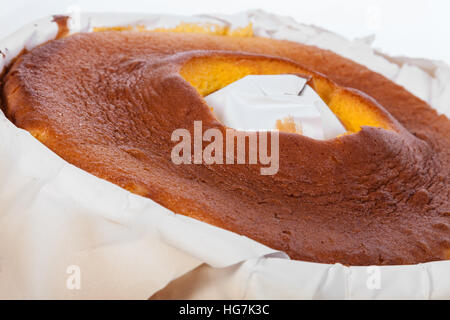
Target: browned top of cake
x=108, y=103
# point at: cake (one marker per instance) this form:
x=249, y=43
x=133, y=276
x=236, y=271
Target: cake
x=109, y=101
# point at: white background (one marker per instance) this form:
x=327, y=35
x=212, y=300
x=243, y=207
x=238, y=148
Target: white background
x=415, y=28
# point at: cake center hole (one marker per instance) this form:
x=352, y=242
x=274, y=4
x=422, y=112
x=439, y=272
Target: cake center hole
x=210, y=74
x=267, y=102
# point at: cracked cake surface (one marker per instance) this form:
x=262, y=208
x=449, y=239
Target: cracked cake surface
x=108, y=103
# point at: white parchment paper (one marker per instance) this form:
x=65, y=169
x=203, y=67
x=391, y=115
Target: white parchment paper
x=67, y=234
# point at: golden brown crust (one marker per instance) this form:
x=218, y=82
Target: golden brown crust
x=108, y=103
